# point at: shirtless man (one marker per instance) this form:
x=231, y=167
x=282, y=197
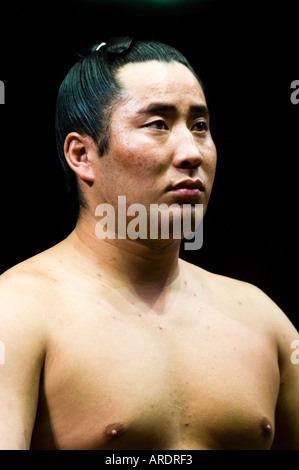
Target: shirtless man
x=118, y=343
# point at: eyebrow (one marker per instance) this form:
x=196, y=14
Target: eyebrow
x=153, y=108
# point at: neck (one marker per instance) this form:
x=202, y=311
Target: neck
x=138, y=265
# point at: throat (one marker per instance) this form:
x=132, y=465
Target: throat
x=130, y=261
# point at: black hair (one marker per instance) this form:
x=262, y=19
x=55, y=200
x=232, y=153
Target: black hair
x=90, y=88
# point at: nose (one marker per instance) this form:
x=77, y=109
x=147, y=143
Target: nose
x=187, y=153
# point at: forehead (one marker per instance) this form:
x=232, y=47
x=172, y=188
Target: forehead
x=145, y=82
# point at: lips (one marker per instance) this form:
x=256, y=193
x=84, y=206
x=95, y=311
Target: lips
x=190, y=188
x=188, y=184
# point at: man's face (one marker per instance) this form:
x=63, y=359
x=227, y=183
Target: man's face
x=160, y=137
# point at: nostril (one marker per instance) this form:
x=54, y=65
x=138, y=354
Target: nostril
x=187, y=164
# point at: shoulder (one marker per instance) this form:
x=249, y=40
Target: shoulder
x=36, y=272
x=26, y=291
x=30, y=274
x=245, y=302
x=256, y=305
x=225, y=288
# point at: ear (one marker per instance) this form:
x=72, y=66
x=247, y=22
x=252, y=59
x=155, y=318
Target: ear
x=78, y=150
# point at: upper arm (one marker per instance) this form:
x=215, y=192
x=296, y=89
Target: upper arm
x=22, y=352
x=287, y=409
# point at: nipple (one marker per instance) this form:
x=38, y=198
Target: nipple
x=266, y=427
x=113, y=430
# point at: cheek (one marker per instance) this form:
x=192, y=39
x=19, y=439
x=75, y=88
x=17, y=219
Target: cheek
x=135, y=169
x=138, y=157
x=211, y=157
x=209, y=165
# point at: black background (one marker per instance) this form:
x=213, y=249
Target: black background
x=246, y=53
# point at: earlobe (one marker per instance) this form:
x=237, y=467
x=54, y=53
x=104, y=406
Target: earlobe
x=77, y=149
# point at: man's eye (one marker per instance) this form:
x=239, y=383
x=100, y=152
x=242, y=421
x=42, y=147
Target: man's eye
x=159, y=124
x=201, y=126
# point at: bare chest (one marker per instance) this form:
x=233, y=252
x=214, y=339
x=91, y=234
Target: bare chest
x=125, y=381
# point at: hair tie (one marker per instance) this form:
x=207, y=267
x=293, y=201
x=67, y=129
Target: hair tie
x=100, y=45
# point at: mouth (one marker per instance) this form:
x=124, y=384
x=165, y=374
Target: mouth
x=190, y=188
